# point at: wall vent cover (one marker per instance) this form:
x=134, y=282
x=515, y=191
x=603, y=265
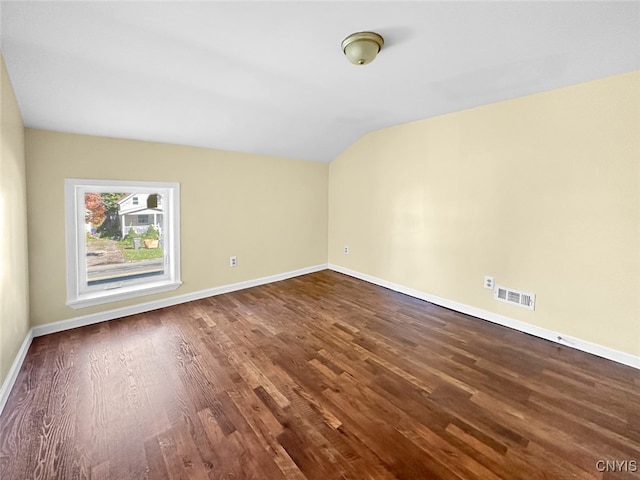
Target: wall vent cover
x=515, y=297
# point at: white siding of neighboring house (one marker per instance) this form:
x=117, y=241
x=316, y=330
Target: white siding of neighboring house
x=130, y=212
x=127, y=204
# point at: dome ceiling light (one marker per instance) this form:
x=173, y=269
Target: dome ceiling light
x=362, y=47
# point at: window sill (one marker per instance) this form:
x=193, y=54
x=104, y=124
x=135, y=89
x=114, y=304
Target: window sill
x=123, y=293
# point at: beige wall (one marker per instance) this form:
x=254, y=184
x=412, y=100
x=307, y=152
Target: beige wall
x=269, y=212
x=543, y=192
x=14, y=294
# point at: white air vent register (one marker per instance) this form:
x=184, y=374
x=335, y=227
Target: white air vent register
x=515, y=297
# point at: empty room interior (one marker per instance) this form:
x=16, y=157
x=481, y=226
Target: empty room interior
x=320, y=240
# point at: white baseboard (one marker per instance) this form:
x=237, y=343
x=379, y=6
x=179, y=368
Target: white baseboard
x=560, y=338
x=12, y=375
x=90, y=319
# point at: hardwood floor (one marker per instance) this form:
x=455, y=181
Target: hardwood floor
x=318, y=377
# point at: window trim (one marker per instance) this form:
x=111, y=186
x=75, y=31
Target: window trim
x=78, y=295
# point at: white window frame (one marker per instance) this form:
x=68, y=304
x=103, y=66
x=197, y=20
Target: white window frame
x=79, y=294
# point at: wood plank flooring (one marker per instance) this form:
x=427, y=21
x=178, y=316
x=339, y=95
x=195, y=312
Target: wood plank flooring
x=318, y=377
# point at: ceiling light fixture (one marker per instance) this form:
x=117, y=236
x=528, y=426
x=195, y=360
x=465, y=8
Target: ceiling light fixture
x=362, y=47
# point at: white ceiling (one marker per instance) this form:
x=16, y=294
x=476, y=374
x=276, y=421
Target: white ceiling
x=269, y=77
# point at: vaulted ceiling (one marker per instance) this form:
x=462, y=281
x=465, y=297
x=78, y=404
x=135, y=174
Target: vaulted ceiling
x=270, y=77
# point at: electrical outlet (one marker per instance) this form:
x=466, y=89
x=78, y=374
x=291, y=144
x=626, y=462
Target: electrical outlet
x=346, y=250
x=489, y=282
x=233, y=261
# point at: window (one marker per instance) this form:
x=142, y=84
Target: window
x=117, y=249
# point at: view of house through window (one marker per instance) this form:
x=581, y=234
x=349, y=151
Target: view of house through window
x=124, y=238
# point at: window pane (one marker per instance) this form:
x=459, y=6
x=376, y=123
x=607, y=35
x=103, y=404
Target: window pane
x=124, y=239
